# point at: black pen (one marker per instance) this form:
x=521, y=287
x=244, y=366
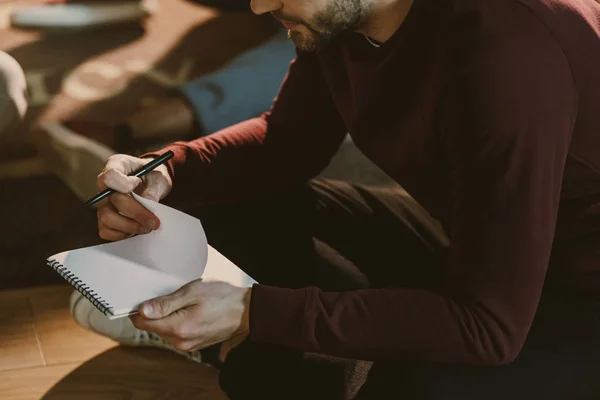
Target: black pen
x=137, y=173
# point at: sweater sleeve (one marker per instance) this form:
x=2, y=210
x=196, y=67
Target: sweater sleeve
x=505, y=119
x=288, y=144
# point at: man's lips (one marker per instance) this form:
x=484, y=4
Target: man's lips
x=289, y=25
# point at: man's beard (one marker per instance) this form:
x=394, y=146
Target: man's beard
x=339, y=16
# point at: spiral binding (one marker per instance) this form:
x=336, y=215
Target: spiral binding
x=81, y=287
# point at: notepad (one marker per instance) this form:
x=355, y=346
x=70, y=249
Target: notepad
x=119, y=276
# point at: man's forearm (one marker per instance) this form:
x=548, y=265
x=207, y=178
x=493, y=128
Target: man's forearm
x=381, y=324
x=291, y=142
x=246, y=161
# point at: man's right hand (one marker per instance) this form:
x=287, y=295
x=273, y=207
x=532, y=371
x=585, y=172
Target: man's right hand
x=120, y=216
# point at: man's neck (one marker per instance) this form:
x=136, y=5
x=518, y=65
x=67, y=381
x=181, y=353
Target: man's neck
x=385, y=18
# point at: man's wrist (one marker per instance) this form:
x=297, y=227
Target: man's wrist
x=166, y=168
x=245, y=325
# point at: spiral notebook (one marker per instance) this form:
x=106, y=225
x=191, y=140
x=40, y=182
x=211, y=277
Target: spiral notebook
x=118, y=276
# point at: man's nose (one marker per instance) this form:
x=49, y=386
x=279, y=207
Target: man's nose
x=264, y=6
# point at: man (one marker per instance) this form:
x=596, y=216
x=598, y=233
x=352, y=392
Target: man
x=487, y=114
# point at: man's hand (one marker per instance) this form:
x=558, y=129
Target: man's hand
x=120, y=215
x=198, y=315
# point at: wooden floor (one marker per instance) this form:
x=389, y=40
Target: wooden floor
x=44, y=354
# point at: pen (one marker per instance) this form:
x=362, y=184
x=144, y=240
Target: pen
x=137, y=173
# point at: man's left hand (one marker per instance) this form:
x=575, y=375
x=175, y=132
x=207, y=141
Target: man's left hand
x=198, y=315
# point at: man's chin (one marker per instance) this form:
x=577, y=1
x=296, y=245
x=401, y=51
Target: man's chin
x=304, y=42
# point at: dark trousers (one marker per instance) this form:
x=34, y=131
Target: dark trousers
x=340, y=237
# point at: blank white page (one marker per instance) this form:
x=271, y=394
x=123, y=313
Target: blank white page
x=220, y=268
x=178, y=247
x=121, y=283
x=128, y=272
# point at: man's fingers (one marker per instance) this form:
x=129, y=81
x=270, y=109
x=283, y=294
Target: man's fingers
x=156, y=186
x=117, y=180
x=159, y=327
x=124, y=163
x=109, y=217
x=173, y=326
x=164, y=306
x=115, y=173
x=131, y=208
x=175, y=329
x=107, y=233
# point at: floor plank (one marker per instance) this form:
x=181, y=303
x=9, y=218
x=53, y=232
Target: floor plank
x=61, y=339
x=19, y=347
x=31, y=383
x=18, y=342
x=82, y=365
x=119, y=373
x=138, y=373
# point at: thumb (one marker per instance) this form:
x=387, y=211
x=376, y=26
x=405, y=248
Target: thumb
x=156, y=186
x=163, y=306
x=115, y=174
x=116, y=180
x=150, y=194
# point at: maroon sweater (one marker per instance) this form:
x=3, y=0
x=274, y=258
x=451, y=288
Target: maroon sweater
x=488, y=113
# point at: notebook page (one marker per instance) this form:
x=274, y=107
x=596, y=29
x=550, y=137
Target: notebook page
x=219, y=268
x=128, y=272
x=178, y=247
x=123, y=284
x=215, y=266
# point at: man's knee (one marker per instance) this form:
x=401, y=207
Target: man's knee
x=13, y=94
x=256, y=370
x=263, y=371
